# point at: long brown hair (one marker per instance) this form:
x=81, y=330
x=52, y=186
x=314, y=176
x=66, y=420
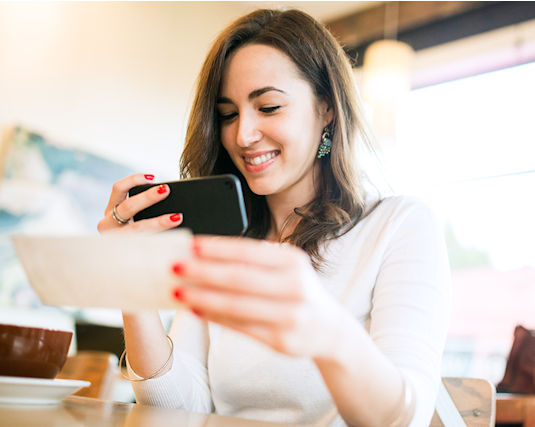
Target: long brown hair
x=339, y=201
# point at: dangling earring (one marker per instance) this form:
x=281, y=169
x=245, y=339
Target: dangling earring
x=326, y=142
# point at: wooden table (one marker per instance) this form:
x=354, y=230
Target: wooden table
x=76, y=411
x=515, y=409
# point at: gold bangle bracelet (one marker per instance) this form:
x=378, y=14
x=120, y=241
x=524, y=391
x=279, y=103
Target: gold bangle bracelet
x=156, y=374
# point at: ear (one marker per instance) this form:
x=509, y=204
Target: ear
x=325, y=113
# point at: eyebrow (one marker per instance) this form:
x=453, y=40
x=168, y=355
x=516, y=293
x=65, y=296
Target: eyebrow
x=254, y=94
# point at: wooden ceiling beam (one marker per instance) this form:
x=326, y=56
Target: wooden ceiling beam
x=369, y=24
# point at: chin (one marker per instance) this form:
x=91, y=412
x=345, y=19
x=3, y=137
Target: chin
x=261, y=188
x=261, y=191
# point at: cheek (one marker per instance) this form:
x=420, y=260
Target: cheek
x=304, y=122
x=288, y=131
x=300, y=134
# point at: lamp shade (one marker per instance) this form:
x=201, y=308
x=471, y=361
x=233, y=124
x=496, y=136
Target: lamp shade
x=386, y=71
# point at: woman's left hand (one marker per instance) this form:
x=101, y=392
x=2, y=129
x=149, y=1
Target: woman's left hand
x=265, y=290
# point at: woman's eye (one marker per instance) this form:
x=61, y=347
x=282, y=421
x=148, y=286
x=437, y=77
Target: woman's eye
x=227, y=116
x=270, y=109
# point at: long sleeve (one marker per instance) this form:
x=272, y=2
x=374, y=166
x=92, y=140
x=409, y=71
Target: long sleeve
x=411, y=302
x=185, y=385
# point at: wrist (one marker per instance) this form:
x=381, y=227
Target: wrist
x=341, y=348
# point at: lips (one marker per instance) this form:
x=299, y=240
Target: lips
x=262, y=158
x=257, y=162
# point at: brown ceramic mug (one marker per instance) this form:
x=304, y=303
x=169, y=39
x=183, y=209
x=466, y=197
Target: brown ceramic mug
x=32, y=352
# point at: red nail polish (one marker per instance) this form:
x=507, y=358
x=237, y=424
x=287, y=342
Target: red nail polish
x=196, y=247
x=162, y=189
x=176, y=217
x=196, y=312
x=178, y=268
x=179, y=294
x=149, y=176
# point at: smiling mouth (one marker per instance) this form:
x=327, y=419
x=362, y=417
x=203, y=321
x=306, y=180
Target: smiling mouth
x=263, y=158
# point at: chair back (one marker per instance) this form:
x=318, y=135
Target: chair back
x=463, y=402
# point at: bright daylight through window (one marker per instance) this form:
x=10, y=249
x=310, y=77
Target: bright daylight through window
x=468, y=147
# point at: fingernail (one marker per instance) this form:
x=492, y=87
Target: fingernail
x=179, y=294
x=196, y=247
x=176, y=217
x=196, y=312
x=162, y=189
x=149, y=176
x=178, y=268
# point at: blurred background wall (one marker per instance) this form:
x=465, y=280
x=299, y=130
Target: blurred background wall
x=115, y=78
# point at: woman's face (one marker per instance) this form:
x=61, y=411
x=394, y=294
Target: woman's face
x=271, y=121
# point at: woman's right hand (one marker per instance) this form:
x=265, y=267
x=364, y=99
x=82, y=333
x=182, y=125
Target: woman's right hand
x=126, y=208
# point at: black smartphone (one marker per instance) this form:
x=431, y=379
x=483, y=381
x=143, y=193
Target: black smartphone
x=210, y=205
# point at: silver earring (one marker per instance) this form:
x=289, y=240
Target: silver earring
x=326, y=142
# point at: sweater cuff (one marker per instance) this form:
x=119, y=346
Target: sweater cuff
x=183, y=386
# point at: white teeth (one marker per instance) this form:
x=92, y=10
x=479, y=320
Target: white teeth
x=260, y=159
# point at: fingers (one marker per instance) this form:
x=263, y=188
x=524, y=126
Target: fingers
x=131, y=206
x=247, y=266
x=258, y=252
x=243, y=278
x=120, y=188
x=126, y=208
x=219, y=306
x=160, y=223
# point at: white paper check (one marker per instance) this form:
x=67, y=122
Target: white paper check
x=116, y=270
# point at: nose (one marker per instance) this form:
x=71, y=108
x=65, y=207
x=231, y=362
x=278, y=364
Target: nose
x=248, y=132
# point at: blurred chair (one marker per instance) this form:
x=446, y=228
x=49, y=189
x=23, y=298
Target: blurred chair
x=516, y=409
x=465, y=401
x=98, y=367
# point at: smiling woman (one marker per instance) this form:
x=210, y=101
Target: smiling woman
x=333, y=308
x=312, y=91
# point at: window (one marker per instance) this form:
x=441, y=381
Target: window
x=468, y=148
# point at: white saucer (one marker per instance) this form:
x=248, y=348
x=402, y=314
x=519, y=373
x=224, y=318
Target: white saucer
x=37, y=391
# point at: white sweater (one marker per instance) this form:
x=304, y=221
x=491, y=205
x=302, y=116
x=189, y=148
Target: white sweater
x=391, y=271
